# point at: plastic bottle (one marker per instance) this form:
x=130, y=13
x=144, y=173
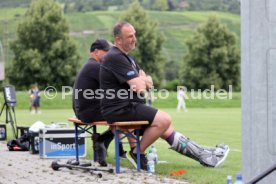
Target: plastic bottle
x=150, y=165
x=154, y=151
x=239, y=179
x=229, y=180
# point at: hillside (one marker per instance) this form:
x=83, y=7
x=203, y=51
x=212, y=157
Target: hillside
x=176, y=27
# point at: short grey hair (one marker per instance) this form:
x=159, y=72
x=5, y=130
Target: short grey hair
x=117, y=29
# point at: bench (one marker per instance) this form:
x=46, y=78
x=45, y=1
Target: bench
x=123, y=128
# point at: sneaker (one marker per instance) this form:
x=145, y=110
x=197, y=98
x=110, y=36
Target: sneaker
x=132, y=157
x=101, y=153
x=214, y=157
x=221, y=152
x=122, y=152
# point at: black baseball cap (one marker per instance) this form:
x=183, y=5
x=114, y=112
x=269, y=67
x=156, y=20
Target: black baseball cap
x=100, y=44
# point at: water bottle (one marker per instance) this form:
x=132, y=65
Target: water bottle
x=239, y=179
x=154, y=151
x=229, y=180
x=150, y=164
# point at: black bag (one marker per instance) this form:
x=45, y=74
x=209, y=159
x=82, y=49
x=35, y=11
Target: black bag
x=20, y=144
x=34, y=142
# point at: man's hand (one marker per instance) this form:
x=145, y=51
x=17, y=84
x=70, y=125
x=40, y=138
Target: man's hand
x=149, y=82
x=147, y=79
x=142, y=73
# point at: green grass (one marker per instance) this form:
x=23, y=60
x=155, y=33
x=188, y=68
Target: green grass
x=196, y=101
x=11, y=13
x=203, y=16
x=96, y=20
x=176, y=43
x=204, y=126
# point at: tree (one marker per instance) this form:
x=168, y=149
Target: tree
x=171, y=6
x=232, y=6
x=160, y=5
x=170, y=68
x=43, y=50
x=213, y=58
x=14, y=3
x=148, y=52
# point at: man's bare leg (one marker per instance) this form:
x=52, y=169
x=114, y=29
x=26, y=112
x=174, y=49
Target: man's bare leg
x=159, y=125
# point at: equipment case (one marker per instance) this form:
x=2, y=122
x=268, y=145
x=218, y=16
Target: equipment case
x=3, y=132
x=60, y=143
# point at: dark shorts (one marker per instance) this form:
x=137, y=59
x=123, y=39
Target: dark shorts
x=89, y=117
x=133, y=112
x=36, y=102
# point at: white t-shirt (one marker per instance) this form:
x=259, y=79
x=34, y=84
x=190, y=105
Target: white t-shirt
x=180, y=95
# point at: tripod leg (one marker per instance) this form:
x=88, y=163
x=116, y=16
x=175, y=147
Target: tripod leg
x=9, y=114
x=14, y=122
x=2, y=109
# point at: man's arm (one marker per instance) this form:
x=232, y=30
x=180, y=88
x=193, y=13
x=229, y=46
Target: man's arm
x=140, y=83
x=137, y=84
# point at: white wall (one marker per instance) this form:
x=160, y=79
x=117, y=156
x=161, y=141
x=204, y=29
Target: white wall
x=258, y=67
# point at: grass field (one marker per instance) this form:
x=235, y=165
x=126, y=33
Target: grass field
x=207, y=126
x=196, y=100
x=207, y=122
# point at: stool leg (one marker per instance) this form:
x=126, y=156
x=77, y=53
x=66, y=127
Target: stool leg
x=76, y=143
x=117, y=156
x=21, y=132
x=138, y=150
x=94, y=152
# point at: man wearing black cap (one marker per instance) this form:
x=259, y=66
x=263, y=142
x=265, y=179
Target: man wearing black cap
x=86, y=104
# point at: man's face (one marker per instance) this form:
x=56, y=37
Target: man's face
x=128, y=38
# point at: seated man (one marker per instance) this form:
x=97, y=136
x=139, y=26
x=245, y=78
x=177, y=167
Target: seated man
x=120, y=74
x=87, y=107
